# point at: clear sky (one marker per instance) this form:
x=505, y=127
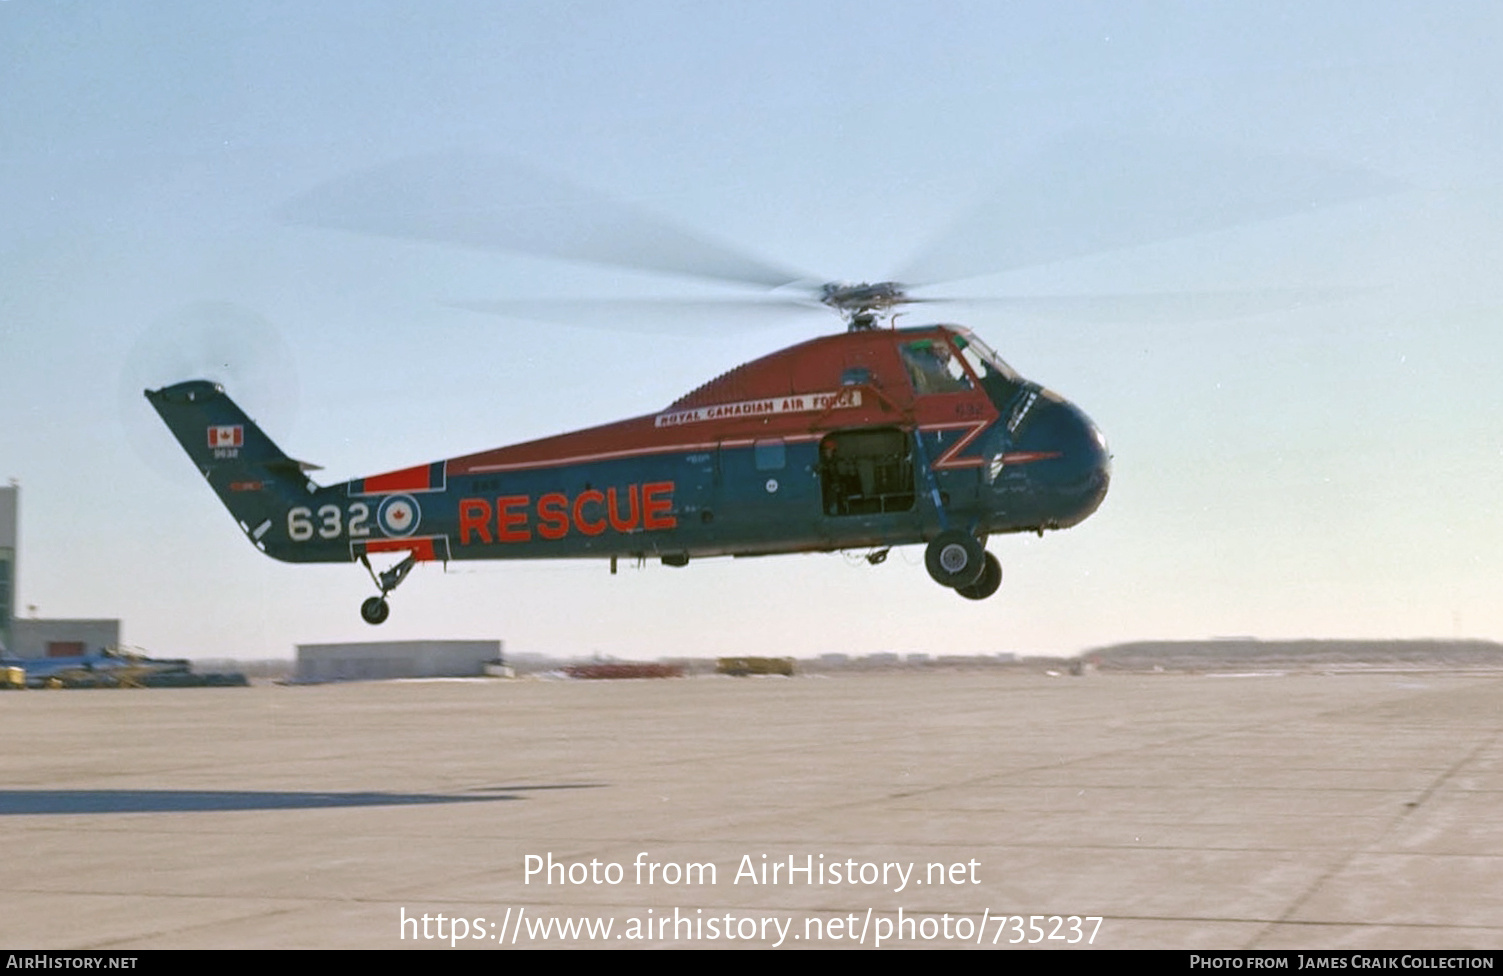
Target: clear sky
x=1328, y=468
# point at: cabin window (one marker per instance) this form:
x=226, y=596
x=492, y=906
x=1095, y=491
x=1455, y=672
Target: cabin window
x=1000, y=381
x=770, y=455
x=866, y=472
x=933, y=368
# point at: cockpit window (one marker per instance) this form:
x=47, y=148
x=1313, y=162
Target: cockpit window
x=1000, y=381
x=933, y=368
x=982, y=358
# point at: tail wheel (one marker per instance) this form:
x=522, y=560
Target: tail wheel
x=955, y=558
x=375, y=610
x=991, y=579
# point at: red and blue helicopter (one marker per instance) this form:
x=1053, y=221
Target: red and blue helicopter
x=872, y=438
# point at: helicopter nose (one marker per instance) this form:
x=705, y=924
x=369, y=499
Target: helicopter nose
x=1076, y=478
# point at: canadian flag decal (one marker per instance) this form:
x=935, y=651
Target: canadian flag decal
x=232, y=435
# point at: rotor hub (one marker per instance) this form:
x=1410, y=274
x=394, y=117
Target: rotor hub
x=863, y=306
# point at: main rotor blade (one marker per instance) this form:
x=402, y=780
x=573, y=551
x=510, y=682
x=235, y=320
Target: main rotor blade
x=491, y=202
x=1163, y=307
x=661, y=316
x=1088, y=194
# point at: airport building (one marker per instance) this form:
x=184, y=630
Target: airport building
x=9, y=505
x=396, y=659
x=63, y=638
x=29, y=638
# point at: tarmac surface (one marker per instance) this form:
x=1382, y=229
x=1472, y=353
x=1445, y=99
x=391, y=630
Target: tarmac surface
x=1355, y=811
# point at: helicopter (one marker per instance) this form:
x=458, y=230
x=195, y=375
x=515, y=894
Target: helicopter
x=871, y=438
x=868, y=439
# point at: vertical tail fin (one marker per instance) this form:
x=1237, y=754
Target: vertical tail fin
x=254, y=479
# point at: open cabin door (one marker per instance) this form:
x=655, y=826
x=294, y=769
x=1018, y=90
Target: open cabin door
x=866, y=472
x=867, y=484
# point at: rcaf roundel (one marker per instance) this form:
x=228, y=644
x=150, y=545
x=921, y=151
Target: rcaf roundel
x=399, y=515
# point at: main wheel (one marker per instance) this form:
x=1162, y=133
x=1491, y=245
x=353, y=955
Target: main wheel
x=375, y=610
x=991, y=578
x=955, y=558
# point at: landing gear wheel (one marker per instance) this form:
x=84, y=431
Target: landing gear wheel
x=375, y=610
x=955, y=558
x=991, y=578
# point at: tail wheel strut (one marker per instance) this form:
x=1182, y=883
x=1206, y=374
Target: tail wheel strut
x=375, y=610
